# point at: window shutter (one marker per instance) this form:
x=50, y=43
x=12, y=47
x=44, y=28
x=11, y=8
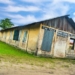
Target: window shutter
x=19, y=35
x=16, y=35
x=25, y=36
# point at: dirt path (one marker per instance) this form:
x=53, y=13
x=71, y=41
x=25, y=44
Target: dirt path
x=7, y=68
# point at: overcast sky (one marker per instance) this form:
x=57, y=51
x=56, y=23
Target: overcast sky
x=27, y=11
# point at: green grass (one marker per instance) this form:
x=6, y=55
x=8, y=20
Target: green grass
x=12, y=54
x=8, y=51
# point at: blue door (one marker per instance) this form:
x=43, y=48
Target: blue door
x=47, y=40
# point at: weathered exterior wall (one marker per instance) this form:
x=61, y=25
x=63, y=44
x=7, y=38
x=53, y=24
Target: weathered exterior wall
x=33, y=37
x=4, y=36
x=60, y=44
x=31, y=41
x=11, y=33
x=7, y=36
x=41, y=34
x=0, y=35
x=60, y=47
x=21, y=44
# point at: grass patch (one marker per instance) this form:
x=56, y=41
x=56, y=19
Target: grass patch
x=12, y=54
x=8, y=51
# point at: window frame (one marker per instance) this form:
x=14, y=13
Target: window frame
x=25, y=36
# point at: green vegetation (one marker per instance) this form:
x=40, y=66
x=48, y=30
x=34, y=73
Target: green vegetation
x=12, y=54
x=8, y=51
x=6, y=23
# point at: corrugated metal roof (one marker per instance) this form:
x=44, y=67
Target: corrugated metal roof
x=22, y=26
x=71, y=22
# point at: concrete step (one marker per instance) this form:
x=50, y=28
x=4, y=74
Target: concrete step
x=72, y=56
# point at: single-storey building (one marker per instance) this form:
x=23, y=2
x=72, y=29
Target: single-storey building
x=53, y=37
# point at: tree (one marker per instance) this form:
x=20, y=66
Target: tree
x=6, y=23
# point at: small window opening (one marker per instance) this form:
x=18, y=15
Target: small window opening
x=72, y=42
x=25, y=36
x=16, y=35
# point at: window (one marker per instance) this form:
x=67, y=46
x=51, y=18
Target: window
x=16, y=35
x=25, y=36
x=72, y=41
x=19, y=35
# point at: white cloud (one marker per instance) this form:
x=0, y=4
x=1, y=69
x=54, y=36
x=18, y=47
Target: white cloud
x=69, y=1
x=74, y=16
x=25, y=20
x=74, y=13
x=47, y=8
x=74, y=19
x=35, y=1
x=54, y=1
x=19, y=19
x=21, y=8
x=55, y=9
x=32, y=1
x=6, y=1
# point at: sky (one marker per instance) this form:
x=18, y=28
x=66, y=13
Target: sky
x=28, y=11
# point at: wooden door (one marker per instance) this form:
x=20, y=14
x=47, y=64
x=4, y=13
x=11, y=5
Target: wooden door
x=47, y=39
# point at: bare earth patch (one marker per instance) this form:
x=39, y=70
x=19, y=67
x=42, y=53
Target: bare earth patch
x=7, y=68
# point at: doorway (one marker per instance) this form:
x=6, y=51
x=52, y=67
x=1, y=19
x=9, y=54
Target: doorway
x=47, y=39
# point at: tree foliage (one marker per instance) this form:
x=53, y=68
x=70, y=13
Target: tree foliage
x=6, y=23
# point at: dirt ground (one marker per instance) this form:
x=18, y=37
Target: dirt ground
x=7, y=68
